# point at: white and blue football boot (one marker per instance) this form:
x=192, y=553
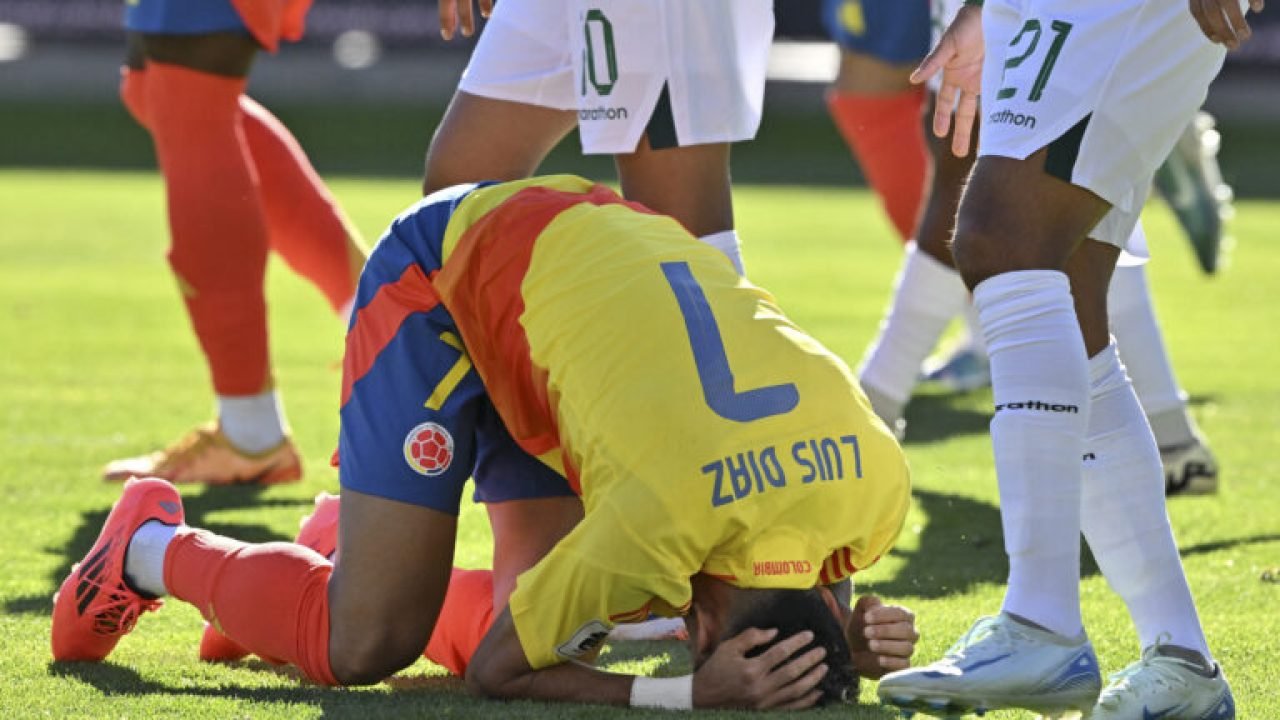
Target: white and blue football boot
x=1001, y=663
x=964, y=370
x=1189, y=469
x=1161, y=687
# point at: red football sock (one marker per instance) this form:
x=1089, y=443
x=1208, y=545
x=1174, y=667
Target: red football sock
x=464, y=619
x=885, y=134
x=272, y=598
x=307, y=227
x=216, y=220
x=304, y=223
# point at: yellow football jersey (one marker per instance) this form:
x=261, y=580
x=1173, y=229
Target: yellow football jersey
x=704, y=430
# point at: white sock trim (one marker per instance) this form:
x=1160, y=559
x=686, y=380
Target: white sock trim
x=927, y=295
x=253, y=423
x=144, y=559
x=1141, y=343
x=727, y=242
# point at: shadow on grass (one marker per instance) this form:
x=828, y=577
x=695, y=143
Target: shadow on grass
x=197, y=507
x=932, y=417
x=117, y=680
x=1212, y=547
x=935, y=415
x=415, y=695
x=962, y=545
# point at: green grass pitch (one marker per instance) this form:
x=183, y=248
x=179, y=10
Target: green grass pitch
x=96, y=361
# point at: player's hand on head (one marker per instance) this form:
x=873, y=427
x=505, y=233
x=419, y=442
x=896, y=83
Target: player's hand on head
x=958, y=57
x=455, y=14
x=767, y=681
x=881, y=637
x=1223, y=22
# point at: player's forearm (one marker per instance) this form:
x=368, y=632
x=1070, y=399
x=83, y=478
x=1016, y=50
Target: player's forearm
x=500, y=669
x=568, y=682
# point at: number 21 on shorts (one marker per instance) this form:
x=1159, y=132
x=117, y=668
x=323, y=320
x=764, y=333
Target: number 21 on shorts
x=1029, y=36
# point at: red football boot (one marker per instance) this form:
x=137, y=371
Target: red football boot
x=94, y=608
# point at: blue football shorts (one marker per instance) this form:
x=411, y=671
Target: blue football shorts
x=416, y=420
x=895, y=31
x=182, y=17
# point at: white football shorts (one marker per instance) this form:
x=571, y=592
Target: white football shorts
x=689, y=72
x=1106, y=85
x=1134, y=251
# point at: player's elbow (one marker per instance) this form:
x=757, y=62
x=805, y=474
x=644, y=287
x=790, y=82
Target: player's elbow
x=486, y=679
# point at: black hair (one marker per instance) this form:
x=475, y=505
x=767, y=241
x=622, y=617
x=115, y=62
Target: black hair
x=791, y=612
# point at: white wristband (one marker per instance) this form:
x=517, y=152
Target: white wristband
x=668, y=693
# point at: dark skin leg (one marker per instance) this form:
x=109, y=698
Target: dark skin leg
x=523, y=532
x=486, y=139
x=1014, y=216
x=867, y=75
x=689, y=183
x=388, y=583
x=383, y=603
x=135, y=56
x=1089, y=267
x=938, y=221
x=482, y=138
x=223, y=53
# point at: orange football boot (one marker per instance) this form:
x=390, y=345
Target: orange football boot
x=94, y=608
x=205, y=455
x=318, y=531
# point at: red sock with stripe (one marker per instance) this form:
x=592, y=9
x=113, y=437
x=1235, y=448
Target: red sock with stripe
x=307, y=227
x=271, y=598
x=304, y=222
x=216, y=220
x=885, y=135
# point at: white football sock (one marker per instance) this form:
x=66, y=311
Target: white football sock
x=1040, y=379
x=1142, y=349
x=726, y=241
x=974, y=329
x=253, y=423
x=144, y=560
x=1123, y=513
x=927, y=295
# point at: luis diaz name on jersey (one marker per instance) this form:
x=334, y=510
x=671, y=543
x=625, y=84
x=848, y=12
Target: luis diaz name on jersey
x=820, y=459
x=599, y=67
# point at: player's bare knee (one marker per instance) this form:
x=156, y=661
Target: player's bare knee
x=979, y=251
x=367, y=656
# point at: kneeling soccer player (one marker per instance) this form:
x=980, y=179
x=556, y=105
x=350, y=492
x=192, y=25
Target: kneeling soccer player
x=729, y=469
